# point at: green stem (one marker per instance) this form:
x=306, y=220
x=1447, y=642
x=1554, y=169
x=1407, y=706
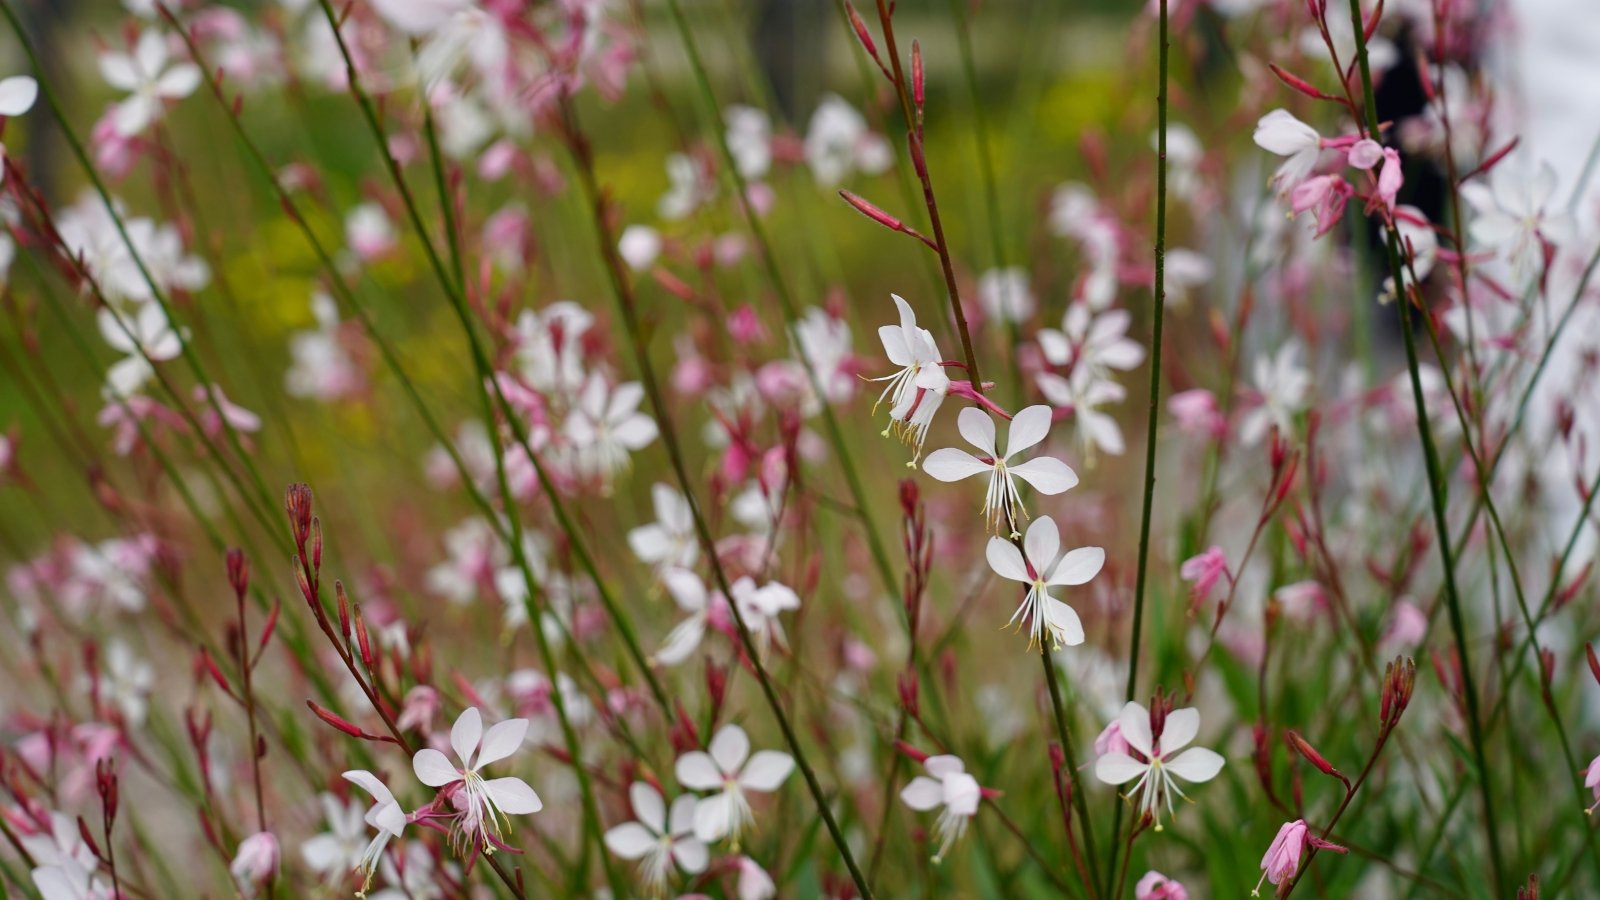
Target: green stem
x=1436, y=486
x=1153, y=412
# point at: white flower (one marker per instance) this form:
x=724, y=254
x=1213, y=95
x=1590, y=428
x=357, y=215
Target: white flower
x=749, y=140
x=1512, y=215
x=160, y=248
x=659, y=838
x=915, y=391
x=688, y=188
x=838, y=141
x=760, y=607
x=550, y=347
x=1042, y=569
x=17, y=95
x=126, y=681
x=146, y=336
x=255, y=862
x=754, y=882
x=690, y=593
x=1283, y=386
x=368, y=231
x=451, y=32
x=70, y=880
x=384, y=815
x=485, y=804
x=606, y=425
x=1005, y=294
x=1046, y=474
x=639, y=246
x=670, y=540
x=824, y=344
x=1095, y=343
x=145, y=76
x=947, y=786
x=726, y=771
x=339, y=849
x=1155, y=766
x=1281, y=133
x=322, y=368
x=1084, y=393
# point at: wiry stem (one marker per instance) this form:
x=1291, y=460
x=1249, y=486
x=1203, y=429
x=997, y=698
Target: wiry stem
x=1435, y=482
x=1153, y=413
x=623, y=295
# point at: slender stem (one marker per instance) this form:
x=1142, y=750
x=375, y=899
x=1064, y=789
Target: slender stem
x=622, y=293
x=1435, y=485
x=1153, y=418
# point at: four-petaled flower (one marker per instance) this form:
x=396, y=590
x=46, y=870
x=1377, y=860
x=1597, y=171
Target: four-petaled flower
x=1282, y=859
x=386, y=815
x=659, y=837
x=145, y=76
x=948, y=786
x=914, y=392
x=1151, y=760
x=730, y=771
x=1041, y=570
x=1046, y=474
x=485, y=803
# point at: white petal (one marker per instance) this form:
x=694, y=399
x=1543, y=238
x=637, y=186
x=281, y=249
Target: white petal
x=895, y=346
x=961, y=794
x=133, y=114
x=1028, y=427
x=712, y=817
x=1042, y=543
x=1117, y=767
x=1063, y=621
x=978, y=429
x=630, y=840
x=686, y=588
x=1135, y=722
x=465, y=735
x=1046, y=474
x=1006, y=560
x=923, y=793
x=950, y=464
x=943, y=765
x=1078, y=566
x=766, y=770
x=433, y=768
x=680, y=819
x=371, y=784
x=502, y=740
x=681, y=641
x=513, y=796
x=648, y=807
x=729, y=748
x=691, y=854
x=17, y=95
x=1196, y=764
x=1182, y=725
x=387, y=817
x=696, y=771
x=179, y=81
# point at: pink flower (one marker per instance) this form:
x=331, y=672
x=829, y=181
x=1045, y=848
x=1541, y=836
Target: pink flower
x=1390, y=178
x=1197, y=413
x=1282, y=859
x=255, y=863
x=1156, y=886
x=1326, y=195
x=1205, y=571
x=1110, y=740
x=1407, y=626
